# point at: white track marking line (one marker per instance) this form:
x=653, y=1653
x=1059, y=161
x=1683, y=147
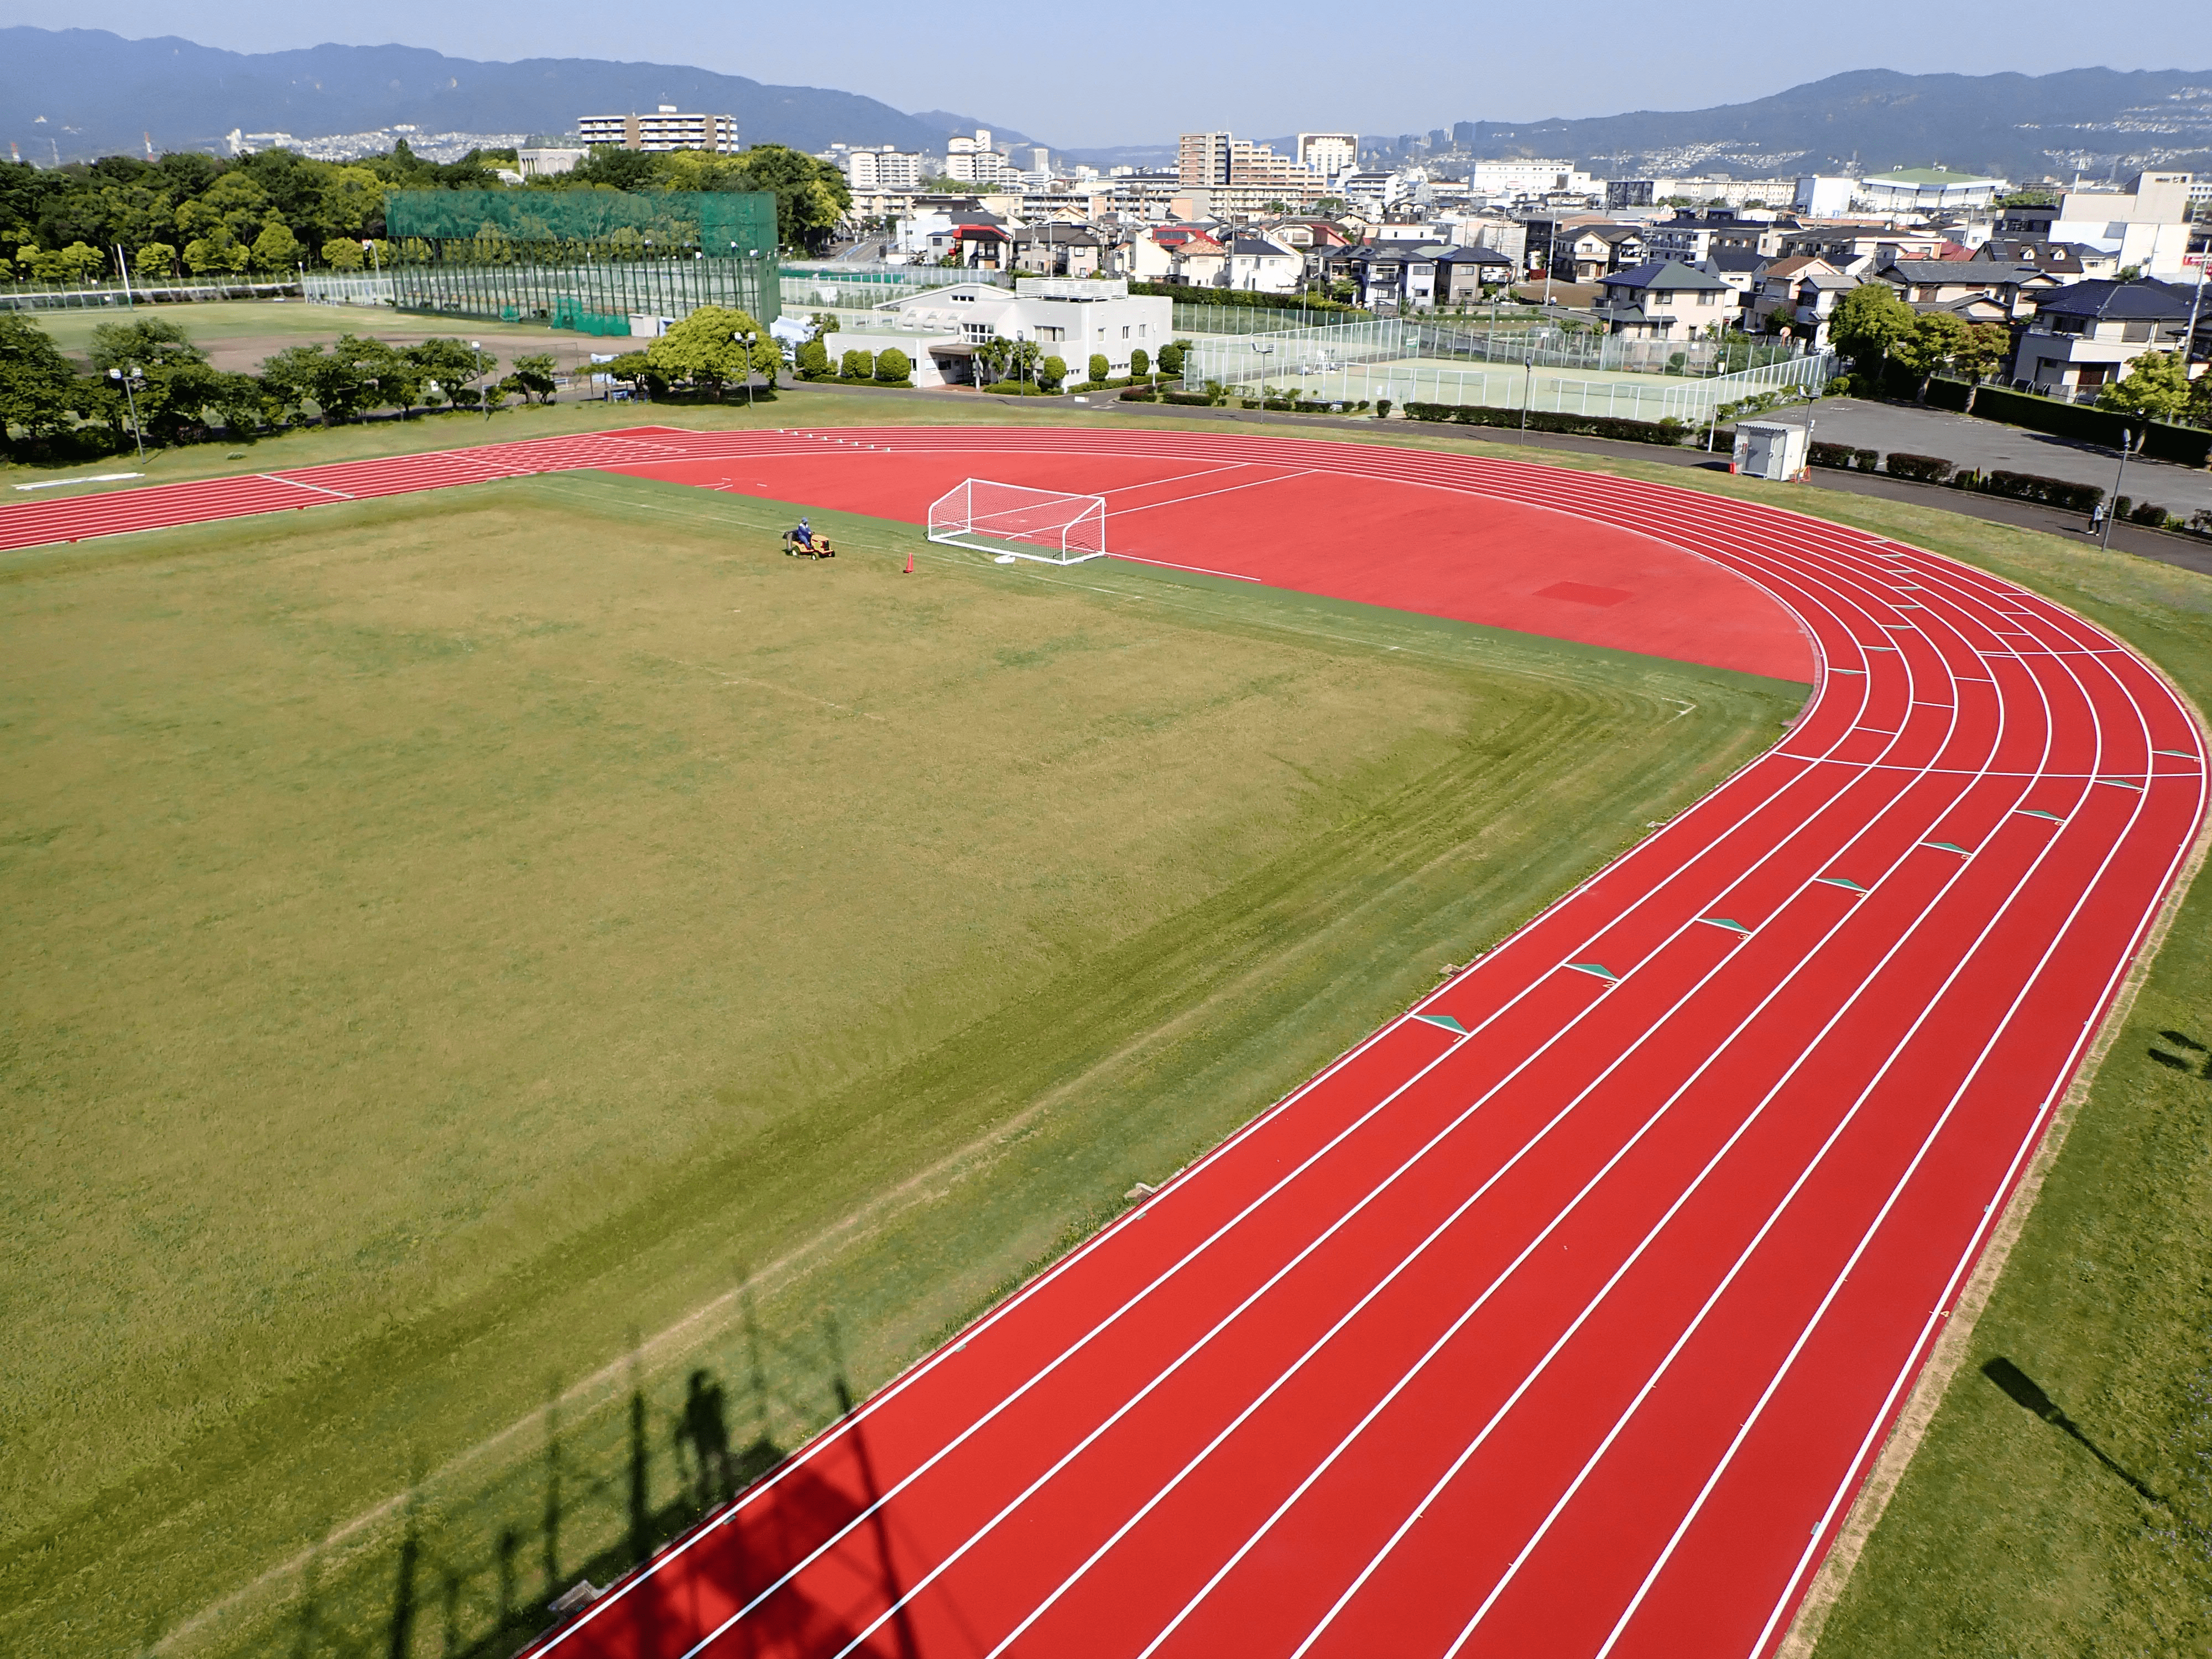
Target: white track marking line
x=1226, y=489
x=278, y=478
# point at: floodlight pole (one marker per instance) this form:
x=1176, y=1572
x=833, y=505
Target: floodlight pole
x=746, y=341
x=128, y=376
x=477, y=346
x=1527, y=393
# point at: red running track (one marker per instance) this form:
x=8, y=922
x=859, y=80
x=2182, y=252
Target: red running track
x=1565, y=1315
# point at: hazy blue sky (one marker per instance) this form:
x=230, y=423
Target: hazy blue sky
x=1139, y=71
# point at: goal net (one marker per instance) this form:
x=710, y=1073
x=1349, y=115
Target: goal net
x=1006, y=519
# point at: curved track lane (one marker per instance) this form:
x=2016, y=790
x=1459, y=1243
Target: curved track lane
x=1565, y=1314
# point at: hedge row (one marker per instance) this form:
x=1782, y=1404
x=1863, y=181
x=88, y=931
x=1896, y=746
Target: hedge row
x=1588, y=426
x=1934, y=469
x=1846, y=459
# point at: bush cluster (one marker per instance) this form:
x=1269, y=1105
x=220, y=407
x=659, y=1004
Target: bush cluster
x=1845, y=458
x=1921, y=469
x=48, y=410
x=1668, y=431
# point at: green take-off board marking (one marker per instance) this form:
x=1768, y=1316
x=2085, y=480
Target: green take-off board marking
x=1597, y=968
x=1444, y=1020
x=2038, y=812
x=2120, y=783
x=1839, y=881
x=1945, y=846
x=1733, y=926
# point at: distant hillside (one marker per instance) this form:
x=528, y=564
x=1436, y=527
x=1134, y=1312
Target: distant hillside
x=2095, y=121
x=78, y=94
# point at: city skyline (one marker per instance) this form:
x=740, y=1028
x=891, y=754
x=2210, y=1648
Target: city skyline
x=1130, y=92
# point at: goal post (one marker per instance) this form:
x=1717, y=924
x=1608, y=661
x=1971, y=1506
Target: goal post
x=1051, y=525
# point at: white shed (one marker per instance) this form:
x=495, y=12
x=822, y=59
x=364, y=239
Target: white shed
x=1770, y=449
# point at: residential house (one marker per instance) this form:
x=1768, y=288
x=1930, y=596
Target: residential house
x=1176, y=253
x=2070, y=262
x=2087, y=333
x=1463, y=274
x=1797, y=294
x=1976, y=290
x=1857, y=249
x=1057, y=250
x=1396, y=276
x=1258, y=265
x=1664, y=300
x=1740, y=269
x=1690, y=237
x=1586, y=254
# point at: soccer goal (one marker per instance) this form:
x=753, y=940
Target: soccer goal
x=1012, y=521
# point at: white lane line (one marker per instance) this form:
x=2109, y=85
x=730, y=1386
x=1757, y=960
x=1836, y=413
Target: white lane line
x=278, y=478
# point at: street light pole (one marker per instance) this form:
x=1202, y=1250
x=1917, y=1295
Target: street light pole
x=746, y=341
x=2105, y=544
x=129, y=377
x=1527, y=393
x=477, y=346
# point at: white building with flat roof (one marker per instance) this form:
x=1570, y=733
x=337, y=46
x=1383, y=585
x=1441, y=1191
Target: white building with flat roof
x=1070, y=318
x=1927, y=190
x=1328, y=154
x=1520, y=177
x=666, y=128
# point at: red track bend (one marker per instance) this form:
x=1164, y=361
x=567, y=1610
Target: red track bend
x=1570, y=1324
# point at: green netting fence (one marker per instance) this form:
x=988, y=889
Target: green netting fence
x=583, y=259
x=719, y=223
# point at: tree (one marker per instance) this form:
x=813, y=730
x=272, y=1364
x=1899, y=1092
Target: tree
x=2156, y=385
x=814, y=361
x=1051, y=372
x=156, y=259
x=303, y=374
x=1928, y=345
x=216, y=254
x=893, y=367
x=1868, y=319
x=343, y=253
x=38, y=388
x=858, y=365
x=1100, y=369
x=1171, y=358
x=1986, y=345
x=1140, y=362
x=704, y=348
x=452, y=365
x=147, y=343
x=533, y=376
x=810, y=195
x=277, y=248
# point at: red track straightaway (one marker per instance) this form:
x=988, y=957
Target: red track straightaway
x=1566, y=1315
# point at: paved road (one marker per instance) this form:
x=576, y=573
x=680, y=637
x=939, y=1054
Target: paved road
x=1989, y=445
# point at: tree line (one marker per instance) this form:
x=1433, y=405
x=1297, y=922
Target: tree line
x=149, y=383
x=189, y=214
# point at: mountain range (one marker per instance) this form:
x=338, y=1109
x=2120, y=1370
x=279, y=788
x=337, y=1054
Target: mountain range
x=2099, y=122
x=72, y=95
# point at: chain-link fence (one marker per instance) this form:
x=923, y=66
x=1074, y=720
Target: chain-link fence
x=1386, y=357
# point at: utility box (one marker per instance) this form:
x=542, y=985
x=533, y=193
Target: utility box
x=1770, y=449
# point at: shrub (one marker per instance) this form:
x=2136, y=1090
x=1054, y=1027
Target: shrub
x=857, y=365
x=1051, y=372
x=1836, y=455
x=1382, y=409
x=1922, y=468
x=893, y=367
x=1171, y=356
x=1839, y=387
x=2150, y=514
x=1100, y=369
x=813, y=361
x=2051, y=492
x=1141, y=394
x=1140, y=363
x=1865, y=460
x=1197, y=399
x=1015, y=389
x=1668, y=431
x=2189, y=445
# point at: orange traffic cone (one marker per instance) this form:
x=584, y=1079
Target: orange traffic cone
x=908, y=571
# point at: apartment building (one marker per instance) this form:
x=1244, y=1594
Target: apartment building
x=2146, y=225
x=666, y=128
x=974, y=159
x=2088, y=333
x=1326, y=155
x=880, y=167
x=1218, y=159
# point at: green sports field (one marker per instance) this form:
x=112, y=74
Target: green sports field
x=536, y=943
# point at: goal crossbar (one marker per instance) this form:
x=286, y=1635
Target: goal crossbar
x=1051, y=525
